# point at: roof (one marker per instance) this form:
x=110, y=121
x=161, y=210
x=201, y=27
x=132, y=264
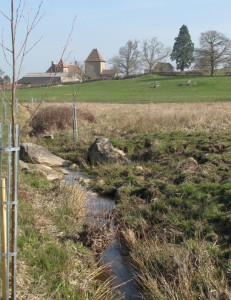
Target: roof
x=95, y=56
x=163, y=64
x=45, y=75
x=108, y=72
x=61, y=64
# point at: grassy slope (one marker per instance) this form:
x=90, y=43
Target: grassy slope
x=174, y=212
x=138, y=90
x=174, y=215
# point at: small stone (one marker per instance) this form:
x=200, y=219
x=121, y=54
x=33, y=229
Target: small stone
x=48, y=137
x=101, y=182
x=139, y=170
x=86, y=181
x=73, y=167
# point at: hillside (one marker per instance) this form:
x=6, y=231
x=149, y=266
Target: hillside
x=137, y=90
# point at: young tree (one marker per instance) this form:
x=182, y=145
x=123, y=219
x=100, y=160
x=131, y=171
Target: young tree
x=153, y=52
x=183, y=49
x=14, y=56
x=127, y=61
x=215, y=50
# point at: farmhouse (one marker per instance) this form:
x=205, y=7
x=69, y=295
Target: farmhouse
x=61, y=72
x=57, y=73
x=160, y=67
x=163, y=67
x=62, y=67
x=95, y=67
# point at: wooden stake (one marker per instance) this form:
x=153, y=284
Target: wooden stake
x=4, y=240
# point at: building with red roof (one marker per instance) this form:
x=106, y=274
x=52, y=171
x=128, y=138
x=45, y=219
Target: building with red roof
x=95, y=67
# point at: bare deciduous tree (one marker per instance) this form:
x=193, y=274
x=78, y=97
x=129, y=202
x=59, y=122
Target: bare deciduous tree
x=127, y=61
x=153, y=52
x=214, y=51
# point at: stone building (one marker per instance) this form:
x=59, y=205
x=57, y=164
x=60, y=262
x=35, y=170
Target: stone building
x=57, y=73
x=160, y=67
x=61, y=72
x=95, y=67
x=62, y=67
x=163, y=67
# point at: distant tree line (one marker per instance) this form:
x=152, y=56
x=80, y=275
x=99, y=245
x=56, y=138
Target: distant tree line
x=214, y=51
x=4, y=78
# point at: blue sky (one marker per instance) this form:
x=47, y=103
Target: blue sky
x=109, y=24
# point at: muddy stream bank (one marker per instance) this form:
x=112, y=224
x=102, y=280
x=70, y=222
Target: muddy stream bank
x=100, y=214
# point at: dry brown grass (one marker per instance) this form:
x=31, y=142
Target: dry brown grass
x=152, y=117
x=68, y=205
x=123, y=119
x=50, y=217
x=171, y=272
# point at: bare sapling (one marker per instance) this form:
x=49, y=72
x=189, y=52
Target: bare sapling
x=14, y=55
x=50, y=84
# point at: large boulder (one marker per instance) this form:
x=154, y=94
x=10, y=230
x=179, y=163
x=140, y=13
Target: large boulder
x=102, y=151
x=35, y=154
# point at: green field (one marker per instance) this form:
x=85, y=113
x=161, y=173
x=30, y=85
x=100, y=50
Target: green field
x=137, y=90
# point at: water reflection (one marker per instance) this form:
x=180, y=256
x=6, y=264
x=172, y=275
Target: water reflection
x=100, y=213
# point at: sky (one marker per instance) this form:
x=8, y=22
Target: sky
x=107, y=25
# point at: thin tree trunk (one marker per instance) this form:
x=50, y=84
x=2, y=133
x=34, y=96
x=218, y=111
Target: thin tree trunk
x=13, y=97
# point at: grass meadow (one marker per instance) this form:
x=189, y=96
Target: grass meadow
x=137, y=90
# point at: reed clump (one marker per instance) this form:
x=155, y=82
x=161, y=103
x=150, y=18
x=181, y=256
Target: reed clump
x=166, y=270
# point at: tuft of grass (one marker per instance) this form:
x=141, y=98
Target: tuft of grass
x=166, y=270
x=52, y=264
x=69, y=208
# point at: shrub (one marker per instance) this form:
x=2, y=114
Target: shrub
x=53, y=118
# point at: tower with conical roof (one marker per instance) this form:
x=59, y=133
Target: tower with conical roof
x=94, y=65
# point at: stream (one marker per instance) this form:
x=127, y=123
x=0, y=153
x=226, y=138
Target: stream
x=99, y=212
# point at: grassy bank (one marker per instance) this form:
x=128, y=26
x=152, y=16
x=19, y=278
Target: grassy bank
x=52, y=263
x=138, y=90
x=173, y=210
x=173, y=198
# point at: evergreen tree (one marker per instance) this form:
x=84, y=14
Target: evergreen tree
x=183, y=49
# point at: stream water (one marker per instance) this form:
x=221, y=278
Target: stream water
x=99, y=211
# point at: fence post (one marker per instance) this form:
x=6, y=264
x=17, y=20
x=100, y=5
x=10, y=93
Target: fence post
x=4, y=239
x=74, y=123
